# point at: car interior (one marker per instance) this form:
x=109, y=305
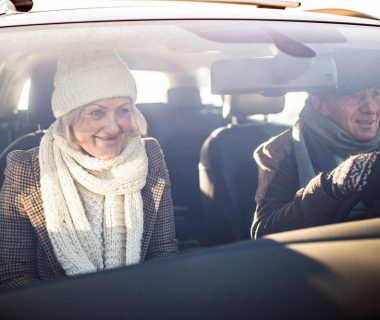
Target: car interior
x=208, y=145
x=227, y=86
x=199, y=144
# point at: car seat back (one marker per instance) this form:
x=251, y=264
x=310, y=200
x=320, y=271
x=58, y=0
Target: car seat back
x=227, y=170
x=181, y=128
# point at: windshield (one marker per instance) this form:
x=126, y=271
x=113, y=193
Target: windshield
x=228, y=71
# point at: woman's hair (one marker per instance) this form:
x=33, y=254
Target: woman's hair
x=139, y=125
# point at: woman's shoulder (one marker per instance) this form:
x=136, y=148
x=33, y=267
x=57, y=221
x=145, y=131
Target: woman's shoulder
x=22, y=158
x=22, y=166
x=151, y=144
x=153, y=148
x=155, y=155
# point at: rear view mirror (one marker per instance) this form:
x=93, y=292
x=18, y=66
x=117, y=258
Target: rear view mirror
x=273, y=75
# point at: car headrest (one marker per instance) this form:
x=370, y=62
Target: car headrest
x=184, y=98
x=41, y=89
x=244, y=105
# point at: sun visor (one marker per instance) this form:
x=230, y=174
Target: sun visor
x=274, y=75
x=357, y=70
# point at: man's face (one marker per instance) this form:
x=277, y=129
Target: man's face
x=358, y=114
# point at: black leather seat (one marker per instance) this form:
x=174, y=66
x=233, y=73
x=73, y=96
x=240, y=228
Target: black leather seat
x=39, y=114
x=183, y=126
x=227, y=170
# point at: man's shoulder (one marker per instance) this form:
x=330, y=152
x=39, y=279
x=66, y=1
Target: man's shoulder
x=276, y=153
x=280, y=144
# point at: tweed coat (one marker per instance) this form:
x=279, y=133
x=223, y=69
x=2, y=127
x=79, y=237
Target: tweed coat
x=26, y=253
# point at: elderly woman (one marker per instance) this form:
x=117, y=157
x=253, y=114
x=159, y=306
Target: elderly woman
x=325, y=170
x=94, y=195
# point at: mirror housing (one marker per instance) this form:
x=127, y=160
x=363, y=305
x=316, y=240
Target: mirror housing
x=273, y=75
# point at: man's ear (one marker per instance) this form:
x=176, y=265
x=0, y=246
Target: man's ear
x=317, y=104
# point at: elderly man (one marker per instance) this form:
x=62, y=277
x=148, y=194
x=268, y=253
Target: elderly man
x=325, y=170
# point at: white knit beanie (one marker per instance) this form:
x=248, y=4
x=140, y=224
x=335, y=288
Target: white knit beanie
x=84, y=77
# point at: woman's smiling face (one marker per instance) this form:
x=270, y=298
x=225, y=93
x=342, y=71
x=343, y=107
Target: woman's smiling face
x=103, y=127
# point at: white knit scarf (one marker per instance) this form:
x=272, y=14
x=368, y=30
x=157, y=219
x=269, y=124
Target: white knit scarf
x=75, y=245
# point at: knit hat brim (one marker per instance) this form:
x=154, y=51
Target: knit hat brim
x=82, y=78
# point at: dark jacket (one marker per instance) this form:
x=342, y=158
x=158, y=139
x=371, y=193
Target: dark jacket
x=26, y=253
x=281, y=204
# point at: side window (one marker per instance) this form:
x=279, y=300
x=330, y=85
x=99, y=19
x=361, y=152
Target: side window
x=24, y=96
x=294, y=102
x=152, y=86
